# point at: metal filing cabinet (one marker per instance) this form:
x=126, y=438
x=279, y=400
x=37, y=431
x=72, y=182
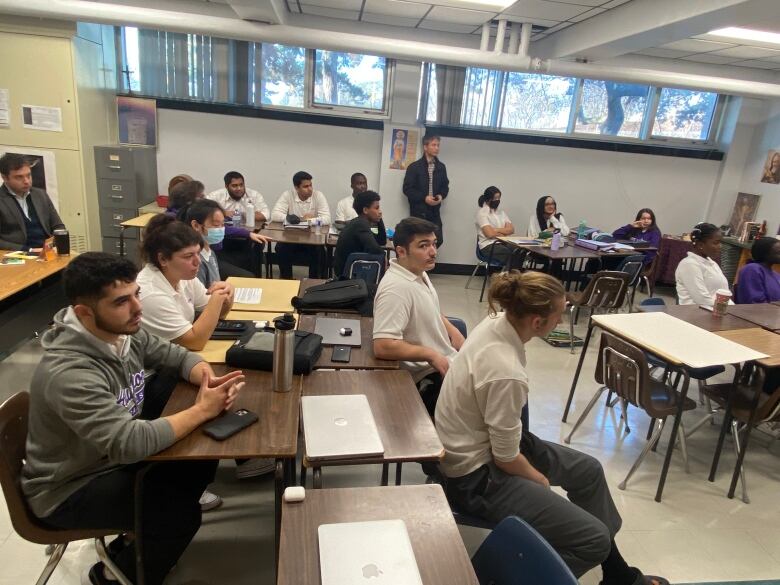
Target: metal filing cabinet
x=126, y=180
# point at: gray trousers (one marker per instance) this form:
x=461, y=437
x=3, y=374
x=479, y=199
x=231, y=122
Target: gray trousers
x=580, y=529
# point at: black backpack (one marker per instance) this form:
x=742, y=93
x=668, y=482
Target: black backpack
x=308, y=347
x=334, y=296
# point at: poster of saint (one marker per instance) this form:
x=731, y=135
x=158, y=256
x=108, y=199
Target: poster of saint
x=403, y=147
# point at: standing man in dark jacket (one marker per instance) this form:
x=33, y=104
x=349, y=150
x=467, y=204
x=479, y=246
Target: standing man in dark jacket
x=426, y=185
x=27, y=215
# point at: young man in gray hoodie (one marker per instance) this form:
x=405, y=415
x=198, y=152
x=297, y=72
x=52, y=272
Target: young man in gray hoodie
x=88, y=434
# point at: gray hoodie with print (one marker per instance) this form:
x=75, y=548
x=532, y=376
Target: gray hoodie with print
x=85, y=399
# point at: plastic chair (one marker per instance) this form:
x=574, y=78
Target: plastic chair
x=482, y=262
x=606, y=290
x=14, y=414
x=516, y=554
x=623, y=369
x=368, y=267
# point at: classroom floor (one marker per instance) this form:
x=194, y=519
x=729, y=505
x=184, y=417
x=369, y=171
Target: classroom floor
x=695, y=535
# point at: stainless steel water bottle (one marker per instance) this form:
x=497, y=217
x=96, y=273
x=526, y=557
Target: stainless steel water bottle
x=284, y=352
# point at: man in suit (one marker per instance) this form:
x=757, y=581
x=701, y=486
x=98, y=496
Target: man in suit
x=27, y=215
x=426, y=185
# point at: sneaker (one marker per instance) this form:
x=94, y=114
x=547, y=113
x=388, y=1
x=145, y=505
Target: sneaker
x=255, y=467
x=97, y=576
x=209, y=501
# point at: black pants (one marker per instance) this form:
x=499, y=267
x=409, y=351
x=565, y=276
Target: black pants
x=434, y=216
x=240, y=257
x=311, y=256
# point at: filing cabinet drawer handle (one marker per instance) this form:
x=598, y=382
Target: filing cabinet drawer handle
x=116, y=167
x=117, y=196
x=116, y=225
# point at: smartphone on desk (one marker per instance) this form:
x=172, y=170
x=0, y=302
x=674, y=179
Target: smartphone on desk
x=341, y=354
x=229, y=423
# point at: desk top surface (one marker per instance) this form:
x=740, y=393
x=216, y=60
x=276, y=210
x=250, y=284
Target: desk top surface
x=306, y=237
x=17, y=277
x=140, y=221
x=766, y=315
x=441, y=557
x=361, y=358
x=761, y=340
x=702, y=318
x=675, y=340
x=404, y=426
x=275, y=434
x=276, y=293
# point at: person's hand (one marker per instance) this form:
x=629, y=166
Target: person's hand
x=257, y=238
x=222, y=285
x=219, y=296
x=541, y=480
x=213, y=397
x=440, y=363
x=309, y=216
x=637, y=224
x=431, y=200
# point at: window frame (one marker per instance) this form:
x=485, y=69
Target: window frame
x=356, y=111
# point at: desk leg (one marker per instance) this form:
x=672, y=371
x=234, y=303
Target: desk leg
x=724, y=427
x=744, y=443
x=577, y=372
x=279, y=484
x=673, y=438
x=487, y=272
x=122, y=240
x=316, y=480
x=385, y=473
x=398, y=468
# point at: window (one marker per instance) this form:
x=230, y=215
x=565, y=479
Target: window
x=537, y=102
x=684, y=113
x=131, y=72
x=481, y=97
x=612, y=108
x=282, y=75
x=350, y=80
x=431, y=108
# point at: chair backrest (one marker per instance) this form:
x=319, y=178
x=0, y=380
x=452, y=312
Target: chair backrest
x=622, y=368
x=484, y=255
x=515, y=554
x=368, y=267
x=633, y=266
x=606, y=290
x=460, y=325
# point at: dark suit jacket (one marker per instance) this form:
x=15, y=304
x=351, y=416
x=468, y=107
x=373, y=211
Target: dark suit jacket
x=13, y=233
x=416, y=188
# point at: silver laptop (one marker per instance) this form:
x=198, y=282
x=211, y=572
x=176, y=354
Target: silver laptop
x=329, y=329
x=339, y=427
x=367, y=553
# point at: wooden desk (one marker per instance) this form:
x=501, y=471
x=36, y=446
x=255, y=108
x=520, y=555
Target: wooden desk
x=15, y=278
x=438, y=548
x=702, y=318
x=404, y=426
x=681, y=345
x=303, y=237
x=276, y=294
x=361, y=358
x=137, y=222
x=766, y=315
x=761, y=340
x=275, y=435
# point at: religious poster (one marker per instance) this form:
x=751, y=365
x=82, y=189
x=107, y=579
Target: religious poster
x=403, y=147
x=771, y=172
x=745, y=209
x=137, y=120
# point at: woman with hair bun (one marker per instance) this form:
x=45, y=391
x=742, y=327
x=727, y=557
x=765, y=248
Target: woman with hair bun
x=698, y=276
x=494, y=466
x=492, y=223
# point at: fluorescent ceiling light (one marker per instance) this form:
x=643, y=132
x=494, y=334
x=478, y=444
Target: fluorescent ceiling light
x=495, y=4
x=747, y=34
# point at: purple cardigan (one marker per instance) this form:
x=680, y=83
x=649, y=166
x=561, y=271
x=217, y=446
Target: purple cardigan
x=231, y=231
x=757, y=284
x=651, y=236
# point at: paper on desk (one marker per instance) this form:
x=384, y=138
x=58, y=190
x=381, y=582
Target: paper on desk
x=22, y=255
x=248, y=296
x=521, y=240
x=619, y=246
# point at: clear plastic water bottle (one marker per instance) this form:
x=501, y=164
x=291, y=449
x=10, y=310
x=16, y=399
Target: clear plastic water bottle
x=236, y=217
x=317, y=223
x=581, y=229
x=556, y=241
x=250, y=215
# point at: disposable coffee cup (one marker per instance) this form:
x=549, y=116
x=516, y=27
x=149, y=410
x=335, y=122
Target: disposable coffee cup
x=722, y=298
x=62, y=242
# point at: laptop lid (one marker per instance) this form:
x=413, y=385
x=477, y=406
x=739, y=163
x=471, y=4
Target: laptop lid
x=367, y=553
x=339, y=427
x=329, y=329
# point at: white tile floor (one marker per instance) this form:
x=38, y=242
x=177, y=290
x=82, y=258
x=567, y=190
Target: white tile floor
x=695, y=535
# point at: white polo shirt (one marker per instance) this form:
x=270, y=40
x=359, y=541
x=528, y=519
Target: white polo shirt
x=698, y=278
x=167, y=312
x=406, y=307
x=478, y=413
x=229, y=204
x=495, y=219
x=344, y=209
x=289, y=202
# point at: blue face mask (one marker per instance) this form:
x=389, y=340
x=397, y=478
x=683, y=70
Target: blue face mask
x=215, y=235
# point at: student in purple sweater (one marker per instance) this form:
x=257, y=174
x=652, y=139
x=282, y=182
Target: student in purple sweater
x=643, y=228
x=757, y=282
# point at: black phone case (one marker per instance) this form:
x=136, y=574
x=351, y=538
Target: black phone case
x=341, y=354
x=228, y=424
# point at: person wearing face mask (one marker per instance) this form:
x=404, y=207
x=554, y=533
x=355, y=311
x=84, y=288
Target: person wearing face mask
x=208, y=219
x=698, y=276
x=492, y=223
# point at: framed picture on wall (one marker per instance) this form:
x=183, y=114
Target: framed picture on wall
x=745, y=208
x=404, y=143
x=137, y=120
x=771, y=172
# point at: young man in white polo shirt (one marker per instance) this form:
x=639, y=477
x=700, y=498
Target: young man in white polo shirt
x=236, y=195
x=344, y=210
x=408, y=323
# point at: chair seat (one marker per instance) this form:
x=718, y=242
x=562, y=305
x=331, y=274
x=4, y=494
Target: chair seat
x=574, y=297
x=743, y=399
x=708, y=372
x=664, y=400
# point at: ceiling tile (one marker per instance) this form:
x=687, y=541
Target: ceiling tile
x=757, y=64
x=339, y=4
x=746, y=52
x=696, y=46
x=542, y=9
x=446, y=26
x=558, y=27
x=587, y=15
x=459, y=16
x=396, y=8
x=710, y=58
x=329, y=12
x=582, y=2
x=614, y=3
x=390, y=20
x=775, y=59
x=665, y=53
